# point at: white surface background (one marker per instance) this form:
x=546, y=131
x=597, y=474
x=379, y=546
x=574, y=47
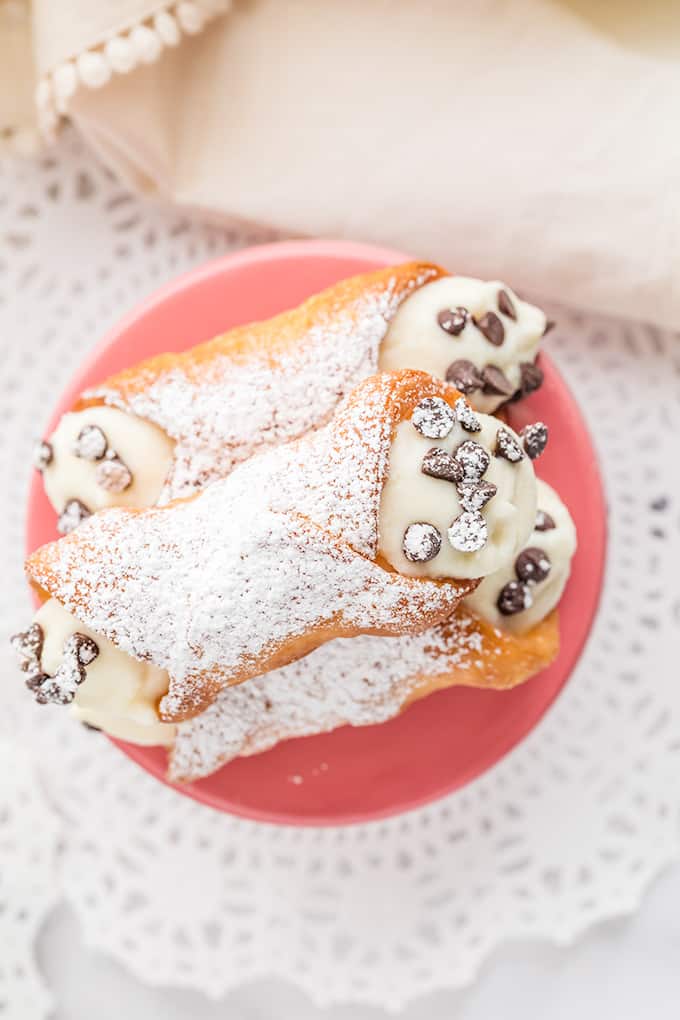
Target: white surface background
x=628, y=970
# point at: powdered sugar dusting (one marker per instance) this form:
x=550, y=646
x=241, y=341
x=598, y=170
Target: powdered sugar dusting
x=344, y=465
x=360, y=681
x=225, y=409
x=214, y=588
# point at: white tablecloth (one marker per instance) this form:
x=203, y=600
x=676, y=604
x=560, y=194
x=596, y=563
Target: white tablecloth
x=625, y=969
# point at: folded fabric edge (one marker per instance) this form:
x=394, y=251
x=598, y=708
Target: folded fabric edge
x=121, y=53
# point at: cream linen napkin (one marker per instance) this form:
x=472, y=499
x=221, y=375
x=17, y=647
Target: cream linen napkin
x=509, y=138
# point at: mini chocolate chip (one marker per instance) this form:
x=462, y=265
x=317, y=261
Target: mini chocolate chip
x=29, y=645
x=43, y=455
x=464, y=375
x=505, y=305
x=535, y=438
x=433, y=418
x=113, y=475
x=469, y=532
x=475, y=495
x=513, y=598
x=466, y=417
x=492, y=328
x=507, y=446
x=78, y=652
x=453, y=320
x=438, y=463
x=86, y=648
x=35, y=682
x=549, y=324
x=532, y=565
x=473, y=459
x=91, y=443
x=496, y=382
x=544, y=522
x=421, y=542
x=530, y=377
x=659, y=504
x=73, y=514
x=50, y=692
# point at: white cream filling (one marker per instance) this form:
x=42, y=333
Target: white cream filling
x=415, y=339
x=120, y=694
x=144, y=448
x=410, y=497
x=559, y=543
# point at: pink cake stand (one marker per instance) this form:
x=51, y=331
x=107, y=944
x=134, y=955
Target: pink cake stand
x=443, y=742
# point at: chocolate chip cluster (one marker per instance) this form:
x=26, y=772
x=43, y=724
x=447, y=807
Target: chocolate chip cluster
x=434, y=419
x=531, y=566
x=78, y=652
x=465, y=468
x=111, y=473
x=534, y=441
x=490, y=379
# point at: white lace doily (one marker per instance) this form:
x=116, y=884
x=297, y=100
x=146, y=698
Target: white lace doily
x=567, y=830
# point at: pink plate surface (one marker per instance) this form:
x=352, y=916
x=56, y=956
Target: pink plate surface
x=444, y=741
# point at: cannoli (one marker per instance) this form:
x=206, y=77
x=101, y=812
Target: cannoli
x=363, y=681
x=360, y=682
x=369, y=679
x=378, y=523
x=170, y=425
